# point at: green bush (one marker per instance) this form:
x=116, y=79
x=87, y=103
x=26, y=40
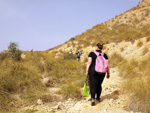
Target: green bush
x=13, y=52
x=72, y=39
x=16, y=55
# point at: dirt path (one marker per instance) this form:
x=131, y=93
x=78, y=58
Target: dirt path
x=112, y=100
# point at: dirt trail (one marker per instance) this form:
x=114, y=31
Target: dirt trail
x=112, y=100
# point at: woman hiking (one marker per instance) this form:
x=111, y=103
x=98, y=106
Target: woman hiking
x=96, y=60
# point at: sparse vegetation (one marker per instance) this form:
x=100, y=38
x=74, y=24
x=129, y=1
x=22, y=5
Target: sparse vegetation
x=136, y=74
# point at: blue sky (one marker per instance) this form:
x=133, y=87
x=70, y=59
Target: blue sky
x=43, y=24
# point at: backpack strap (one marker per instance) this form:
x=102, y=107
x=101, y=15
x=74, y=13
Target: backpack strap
x=97, y=53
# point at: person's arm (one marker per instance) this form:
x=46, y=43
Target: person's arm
x=88, y=65
x=108, y=72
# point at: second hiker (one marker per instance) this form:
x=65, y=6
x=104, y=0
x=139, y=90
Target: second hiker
x=78, y=55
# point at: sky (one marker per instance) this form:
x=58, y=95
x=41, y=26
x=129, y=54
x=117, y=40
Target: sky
x=44, y=24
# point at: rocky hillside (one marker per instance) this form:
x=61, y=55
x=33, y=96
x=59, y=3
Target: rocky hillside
x=138, y=16
x=131, y=25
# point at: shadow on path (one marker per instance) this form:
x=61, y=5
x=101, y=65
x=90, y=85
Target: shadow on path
x=114, y=95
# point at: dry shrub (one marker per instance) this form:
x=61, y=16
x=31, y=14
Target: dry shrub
x=71, y=91
x=139, y=43
x=122, y=49
x=147, y=39
x=46, y=98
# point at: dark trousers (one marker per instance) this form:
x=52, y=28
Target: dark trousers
x=96, y=80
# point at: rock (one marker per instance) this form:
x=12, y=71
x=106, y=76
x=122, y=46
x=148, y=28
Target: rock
x=69, y=99
x=32, y=106
x=67, y=102
x=39, y=102
x=46, y=81
x=23, y=56
x=60, y=105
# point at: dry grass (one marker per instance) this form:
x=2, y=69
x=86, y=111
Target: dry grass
x=23, y=77
x=46, y=98
x=137, y=83
x=66, y=70
x=20, y=78
x=85, y=59
x=115, y=60
x=71, y=91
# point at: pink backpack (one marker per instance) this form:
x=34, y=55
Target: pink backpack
x=101, y=64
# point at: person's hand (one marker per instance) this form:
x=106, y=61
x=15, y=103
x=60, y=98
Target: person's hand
x=108, y=76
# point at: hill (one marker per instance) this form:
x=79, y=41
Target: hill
x=126, y=38
x=131, y=25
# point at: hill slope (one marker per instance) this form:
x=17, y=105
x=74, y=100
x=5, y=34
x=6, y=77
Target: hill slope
x=129, y=26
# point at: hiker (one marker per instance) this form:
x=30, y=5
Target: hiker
x=78, y=55
x=96, y=76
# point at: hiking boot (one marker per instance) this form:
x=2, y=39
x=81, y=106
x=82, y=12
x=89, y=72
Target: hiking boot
x=92, y=102
x=98, y=99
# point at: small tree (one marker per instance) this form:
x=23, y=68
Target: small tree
x=15, y=52
x=13, y=47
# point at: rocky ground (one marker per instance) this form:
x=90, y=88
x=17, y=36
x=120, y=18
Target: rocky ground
x=112, y=101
